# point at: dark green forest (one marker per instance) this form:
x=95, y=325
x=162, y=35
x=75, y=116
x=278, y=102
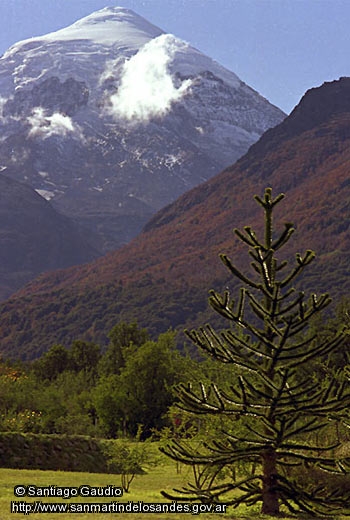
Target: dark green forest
x=84, y=390
x=111, y=392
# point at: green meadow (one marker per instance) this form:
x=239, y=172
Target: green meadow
x=145, y=488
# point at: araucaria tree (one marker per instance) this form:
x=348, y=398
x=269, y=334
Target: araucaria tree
x=276, y=409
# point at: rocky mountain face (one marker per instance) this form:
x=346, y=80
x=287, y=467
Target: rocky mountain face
x=34, y=237
x=110, y=119
x=162, y=278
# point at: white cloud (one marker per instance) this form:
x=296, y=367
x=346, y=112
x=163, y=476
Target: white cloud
x=46, y=126
x=147, y=88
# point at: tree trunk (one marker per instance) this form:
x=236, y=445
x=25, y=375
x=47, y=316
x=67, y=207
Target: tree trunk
x=270, y=505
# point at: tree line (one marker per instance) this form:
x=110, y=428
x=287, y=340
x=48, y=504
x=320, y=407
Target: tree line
x=132, y=383
x=108, y=392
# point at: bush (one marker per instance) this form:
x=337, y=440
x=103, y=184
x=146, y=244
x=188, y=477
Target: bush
x=55, y=452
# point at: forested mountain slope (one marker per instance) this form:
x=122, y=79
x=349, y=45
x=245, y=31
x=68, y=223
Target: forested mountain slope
x=162, y=277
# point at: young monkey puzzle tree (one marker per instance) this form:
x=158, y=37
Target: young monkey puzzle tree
x=276, y=407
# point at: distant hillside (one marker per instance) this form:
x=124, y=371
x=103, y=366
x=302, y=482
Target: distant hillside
x=162, y=277
x=34, y=237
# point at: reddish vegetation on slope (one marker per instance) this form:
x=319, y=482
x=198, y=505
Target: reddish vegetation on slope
x=162, y=277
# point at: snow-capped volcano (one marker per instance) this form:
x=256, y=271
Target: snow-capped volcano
x=111, y=119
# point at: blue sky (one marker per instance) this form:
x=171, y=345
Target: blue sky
x=279, y=47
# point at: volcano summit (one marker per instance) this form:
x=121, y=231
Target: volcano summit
x=111, y=119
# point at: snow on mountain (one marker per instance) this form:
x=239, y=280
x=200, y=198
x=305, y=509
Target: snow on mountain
x=122, y=117
x=109, y=26
x=112, y=31
x=103, y=34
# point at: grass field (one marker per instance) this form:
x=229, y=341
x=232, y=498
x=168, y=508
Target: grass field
x=145, y=488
